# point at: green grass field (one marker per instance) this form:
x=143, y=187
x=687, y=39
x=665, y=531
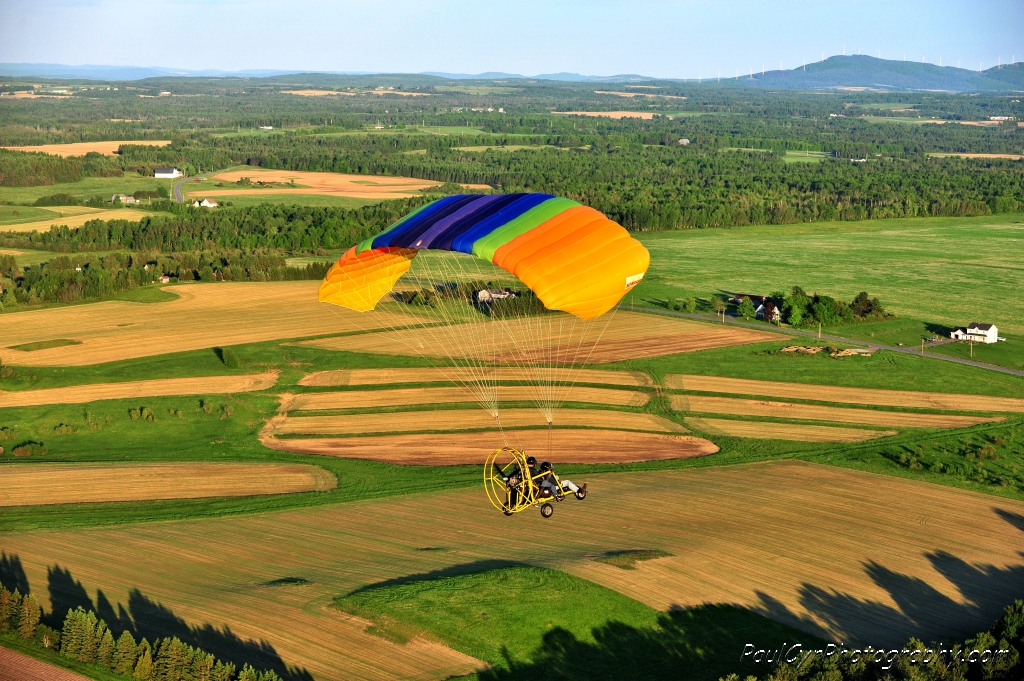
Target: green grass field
x=948, y=271
x=1008, y=354
x=25, y=214
x=241, y=201
x=529, y=622
x=86, y=188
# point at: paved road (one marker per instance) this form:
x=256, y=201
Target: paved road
x=177, y=189
x=834, y=339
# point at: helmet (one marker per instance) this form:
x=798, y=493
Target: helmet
x=545, y=466
x=531, y=460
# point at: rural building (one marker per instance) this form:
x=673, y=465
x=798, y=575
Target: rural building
x=266, y=127
x=684, y=142
x=165, y=279
x=977, y=332
x=124, y=198
x=167, y=173
x=776, y=315
x=205, y=203
x=488, y=295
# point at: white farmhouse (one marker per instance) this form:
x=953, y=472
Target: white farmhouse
x=205, y=203
x=167, y=173
x=977, y=332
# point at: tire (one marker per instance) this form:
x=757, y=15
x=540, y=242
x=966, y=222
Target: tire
x=581, y=494
x=506, y=511
x=546, y=510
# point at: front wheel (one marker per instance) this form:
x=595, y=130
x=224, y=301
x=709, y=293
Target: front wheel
x=581, y=494
x=546, y=510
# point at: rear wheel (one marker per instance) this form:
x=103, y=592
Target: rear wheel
x=546, y=510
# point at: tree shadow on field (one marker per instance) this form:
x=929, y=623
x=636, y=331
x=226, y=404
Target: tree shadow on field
x=12, y=574
x=699, y=644
x=450, y=571
x=921, y=610
x=146, y=618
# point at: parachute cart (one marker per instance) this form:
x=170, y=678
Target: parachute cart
x=511, y=488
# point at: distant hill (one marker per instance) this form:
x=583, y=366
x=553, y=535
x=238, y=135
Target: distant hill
x=862, y=71
x=853, y=71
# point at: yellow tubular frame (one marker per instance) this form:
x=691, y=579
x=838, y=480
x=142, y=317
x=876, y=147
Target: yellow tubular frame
x=499, y=466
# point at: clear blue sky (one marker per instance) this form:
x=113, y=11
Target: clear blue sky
x=593, y=37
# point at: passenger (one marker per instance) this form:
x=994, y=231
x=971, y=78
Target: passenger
x=549, y=482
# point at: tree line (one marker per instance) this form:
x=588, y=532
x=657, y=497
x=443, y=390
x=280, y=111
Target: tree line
x=30, y=169
x=76, y=278
x=267, y=226
x=87, y=639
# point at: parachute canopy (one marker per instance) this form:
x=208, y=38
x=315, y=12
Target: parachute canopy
x=572, y=257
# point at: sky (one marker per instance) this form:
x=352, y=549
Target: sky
x=677, y=39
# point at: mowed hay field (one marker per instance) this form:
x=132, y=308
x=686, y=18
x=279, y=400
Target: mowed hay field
x=203, y=316
x=646, y=115
x=57, y=483
x=921, y=268
x=161, y=387
x=108, y=148
x=362, y=399
x=79, y=218
x=844, y=395
x=572, y=446
x=811, y=412
x=352, y=377
x=332, y=184
x=828, y=550
x=760, y=430
x=627, y=335
x=469, y=419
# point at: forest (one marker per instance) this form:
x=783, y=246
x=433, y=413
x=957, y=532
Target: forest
x=87, y=639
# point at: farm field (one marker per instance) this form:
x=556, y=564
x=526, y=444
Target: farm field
x=12, y=215
x=317, y=93
x=202, y=316
x=784, y=431
x=468, y=419
x=79, y=218
x=17, y=667
x=58, y=483
x=86, y=188
x=884, y=398
x=327, y=200
x=346, y=377
x=82, y=148
x=810, y=412
x=362, y=399
x=332, y=184
x=1014, y=157
x=729, y=530
x=82, y=394
x=572, y=446
x=646, y=115
x=908, y=263
x=627, y=335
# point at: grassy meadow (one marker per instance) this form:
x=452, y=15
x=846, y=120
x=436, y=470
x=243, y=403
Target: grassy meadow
x=86, y=188
x=947, y=271
x=560, y=623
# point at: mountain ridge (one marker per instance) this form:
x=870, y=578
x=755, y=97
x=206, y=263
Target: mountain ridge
x=836, y=72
